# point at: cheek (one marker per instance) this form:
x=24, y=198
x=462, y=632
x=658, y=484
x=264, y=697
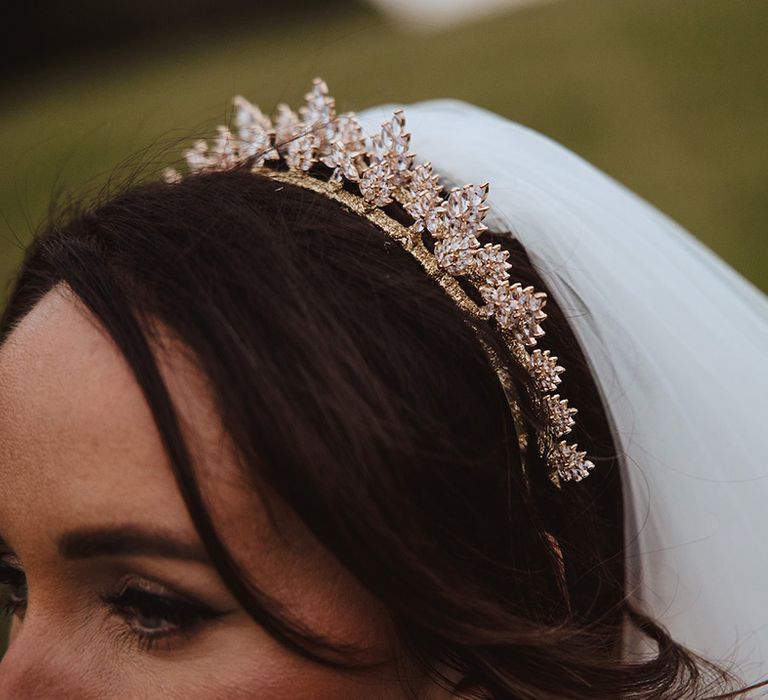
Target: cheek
x=236, y=663
x=249, y=664
x=274, y=678
x=39, y=664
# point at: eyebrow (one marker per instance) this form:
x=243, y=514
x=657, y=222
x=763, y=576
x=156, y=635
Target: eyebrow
x=124, y=540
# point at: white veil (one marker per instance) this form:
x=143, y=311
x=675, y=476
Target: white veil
x=678, y=343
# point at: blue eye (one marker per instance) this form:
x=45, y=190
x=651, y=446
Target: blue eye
x=149, y=616
x=14, y=583
x=152, y=617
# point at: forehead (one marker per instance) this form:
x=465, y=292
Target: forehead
x=77, y=440
x=79, y=448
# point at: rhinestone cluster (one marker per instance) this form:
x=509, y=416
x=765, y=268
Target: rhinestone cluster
x=384, y=169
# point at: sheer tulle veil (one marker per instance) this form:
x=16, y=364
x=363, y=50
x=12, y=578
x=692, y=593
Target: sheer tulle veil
x=678, y=343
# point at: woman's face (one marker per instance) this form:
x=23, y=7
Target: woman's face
x=112, y=593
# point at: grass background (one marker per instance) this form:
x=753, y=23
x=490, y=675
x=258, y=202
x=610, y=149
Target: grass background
x=671, y=98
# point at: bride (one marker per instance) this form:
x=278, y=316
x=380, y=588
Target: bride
x=299, y=422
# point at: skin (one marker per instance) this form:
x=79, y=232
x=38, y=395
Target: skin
x=79, y=450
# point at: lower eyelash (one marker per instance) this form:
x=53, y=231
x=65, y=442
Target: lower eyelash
x=183, y=617
x=154, y=642
x=149, y=641
x=129, y=637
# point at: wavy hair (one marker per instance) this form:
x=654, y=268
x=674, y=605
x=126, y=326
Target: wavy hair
x=352, y=386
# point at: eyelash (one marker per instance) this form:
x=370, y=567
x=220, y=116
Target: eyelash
x=179, y=617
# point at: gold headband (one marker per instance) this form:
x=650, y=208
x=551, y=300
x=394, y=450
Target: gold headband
x=382, y=169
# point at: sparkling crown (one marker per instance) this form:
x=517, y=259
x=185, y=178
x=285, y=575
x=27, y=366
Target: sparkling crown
x=382, y=169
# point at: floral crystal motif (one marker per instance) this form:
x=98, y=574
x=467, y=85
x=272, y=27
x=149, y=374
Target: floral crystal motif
x=559, y=414
x=384, y=170
x=570, y=463
x=545, y=370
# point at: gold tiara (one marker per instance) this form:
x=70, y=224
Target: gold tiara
x=366, y=174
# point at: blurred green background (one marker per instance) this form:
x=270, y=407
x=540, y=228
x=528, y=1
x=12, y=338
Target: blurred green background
x=669, y=97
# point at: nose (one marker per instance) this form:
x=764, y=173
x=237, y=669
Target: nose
x=38, y=666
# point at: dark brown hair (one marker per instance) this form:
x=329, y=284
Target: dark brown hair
x=352, y=386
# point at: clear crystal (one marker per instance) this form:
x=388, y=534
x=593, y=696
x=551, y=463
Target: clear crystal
x=225, y=151
x=435, y=220
x=570, y=463
x=287, y=127
x=351, y=134
x=545, y=370
x=319, y=117
x=337, y=177
x=456, y=255
x=423, y=184
x=349, y=168
x=465, y=204
x=197, y=157
x=425, y=207
x=257, y=144
x=493, y=264
x=560, y=416
x=171, y=176
x=517, y=309
x=379, y=149
x=320, y=106
x=347, y=146
x=299, y=152
x=253, y=132
x=376, y=184
x=390, y=146
x=342, y=161
x=249, y=115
